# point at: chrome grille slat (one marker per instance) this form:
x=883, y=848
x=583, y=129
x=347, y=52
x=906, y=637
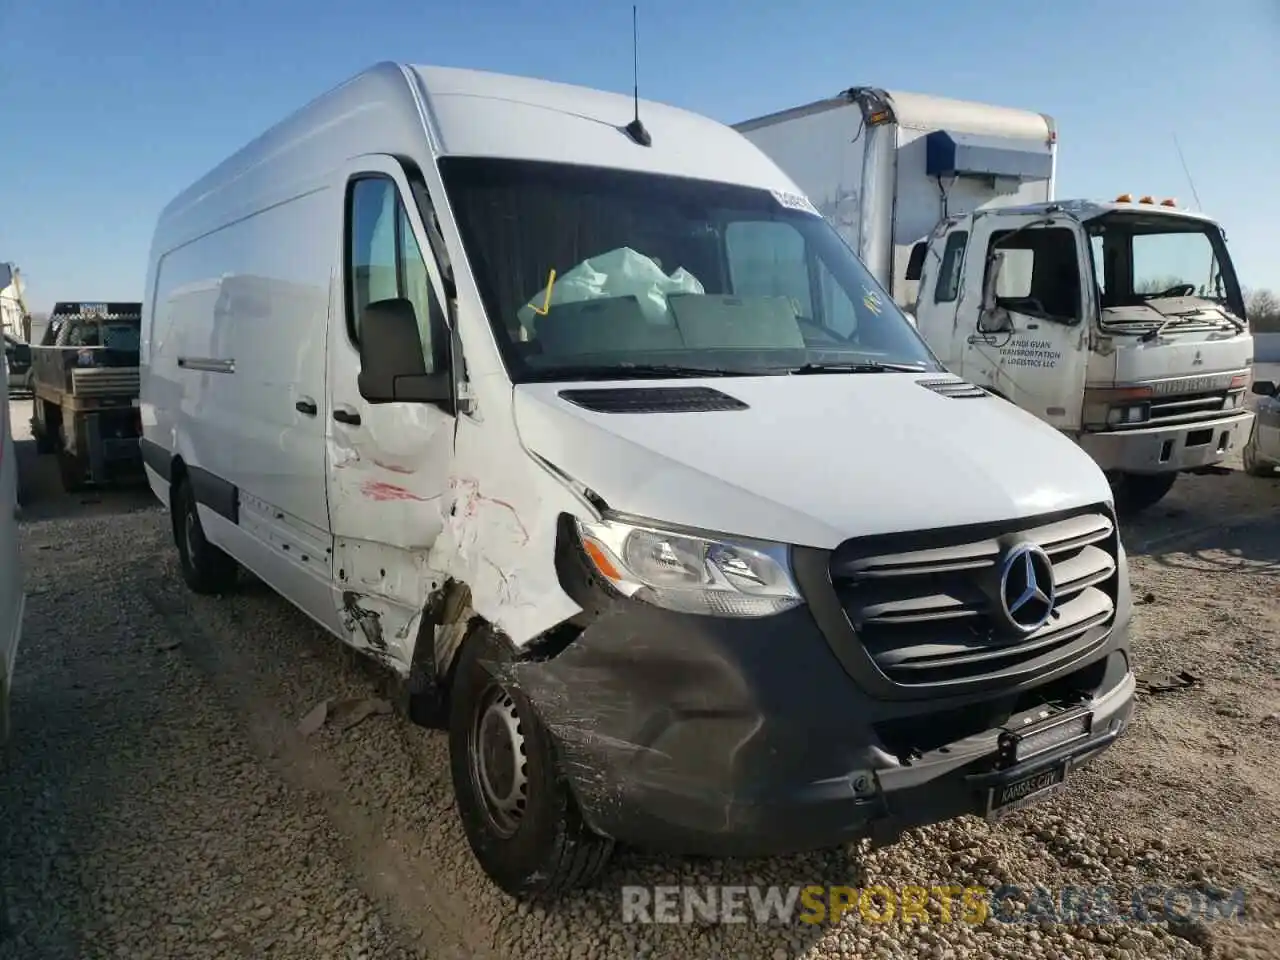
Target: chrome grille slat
x=930, y=610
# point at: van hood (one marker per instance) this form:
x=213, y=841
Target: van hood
x=811, y=460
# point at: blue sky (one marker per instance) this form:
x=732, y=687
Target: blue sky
x=112, y=108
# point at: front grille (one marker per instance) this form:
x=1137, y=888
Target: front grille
x=925, y=610
x=1188, y=408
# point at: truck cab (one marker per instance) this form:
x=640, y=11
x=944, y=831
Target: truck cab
x=1120, y=324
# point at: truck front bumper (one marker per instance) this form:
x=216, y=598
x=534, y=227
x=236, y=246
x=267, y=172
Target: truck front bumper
x=725, y=737
x=1167, y=449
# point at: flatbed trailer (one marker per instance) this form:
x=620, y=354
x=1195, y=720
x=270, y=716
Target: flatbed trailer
x=84, y=377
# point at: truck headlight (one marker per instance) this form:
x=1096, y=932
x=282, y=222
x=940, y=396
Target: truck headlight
x=688, y=573
x=1115, y=406
x=1135, y=413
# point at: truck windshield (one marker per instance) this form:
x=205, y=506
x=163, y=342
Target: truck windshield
x=614, y=274
x=1139, y=258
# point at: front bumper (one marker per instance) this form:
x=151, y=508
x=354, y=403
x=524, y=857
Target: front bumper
x=1165, y=449
x=700, y=735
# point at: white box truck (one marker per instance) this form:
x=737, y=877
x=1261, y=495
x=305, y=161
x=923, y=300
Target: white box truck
x=1121, y=324
x=484, y=375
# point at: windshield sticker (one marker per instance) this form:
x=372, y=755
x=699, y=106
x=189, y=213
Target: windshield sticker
x=794, y=201
x=871, y=300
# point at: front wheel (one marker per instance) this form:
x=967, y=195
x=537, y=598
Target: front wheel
x=520, y=818
x=1135, y=492
x=205, y=568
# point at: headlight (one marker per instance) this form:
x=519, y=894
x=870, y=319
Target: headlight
x=691, y=574
x=1110, y=407
x=1136, y=413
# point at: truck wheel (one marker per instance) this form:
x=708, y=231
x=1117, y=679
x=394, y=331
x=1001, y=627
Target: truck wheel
x=71, y=472
x=1135, y=492
x=520, y=818
x=40, y=427
x=1253, y=465
x=205, y=568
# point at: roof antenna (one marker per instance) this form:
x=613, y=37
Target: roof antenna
x=635, y=129
x=1183, y=160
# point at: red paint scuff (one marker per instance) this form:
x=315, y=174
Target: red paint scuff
x=377, y=490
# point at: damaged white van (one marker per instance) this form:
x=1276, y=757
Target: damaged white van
x=576, y=415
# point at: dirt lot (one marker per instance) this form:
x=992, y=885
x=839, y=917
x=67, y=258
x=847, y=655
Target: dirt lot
x=160, y=802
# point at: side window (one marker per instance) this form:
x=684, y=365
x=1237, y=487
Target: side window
x=1041, y=273
x=767, y=259
x=948, y=286
x=1099, y=264
x=384, y=260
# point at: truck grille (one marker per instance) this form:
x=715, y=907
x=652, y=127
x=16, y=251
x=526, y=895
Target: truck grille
x=925, y=611
x=1188, y=408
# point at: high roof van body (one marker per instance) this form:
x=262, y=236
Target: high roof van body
x=601, y=438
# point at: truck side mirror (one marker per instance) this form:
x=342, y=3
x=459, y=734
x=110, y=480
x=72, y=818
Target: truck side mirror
x=992, y=318
x=1264, y=388
x=6, y=275
x=392, y=368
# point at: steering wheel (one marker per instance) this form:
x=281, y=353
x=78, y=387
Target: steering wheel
x=1177, y=290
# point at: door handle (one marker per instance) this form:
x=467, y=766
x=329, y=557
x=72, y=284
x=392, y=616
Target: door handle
x=347, y=415
x=306, y=405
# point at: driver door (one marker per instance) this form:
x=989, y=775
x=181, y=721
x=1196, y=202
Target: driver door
x=1040, y=360
x=389, y=463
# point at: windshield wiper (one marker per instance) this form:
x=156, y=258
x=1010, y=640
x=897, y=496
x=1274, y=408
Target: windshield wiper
x=630, y=371
x=869, y=366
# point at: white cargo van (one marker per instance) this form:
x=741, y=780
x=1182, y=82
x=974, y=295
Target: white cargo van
x=494, y=383
x=12, y=596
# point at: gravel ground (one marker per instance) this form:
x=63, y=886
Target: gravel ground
x=159, y=800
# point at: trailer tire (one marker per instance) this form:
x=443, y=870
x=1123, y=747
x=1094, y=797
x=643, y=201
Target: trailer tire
x=205, y=568
x=1135, y=492
x=539, y=846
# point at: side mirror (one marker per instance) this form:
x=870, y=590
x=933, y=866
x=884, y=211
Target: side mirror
x=6, y=275
x=992, y=318
x=392, y=368
x=995, y=264
x=1264, y=388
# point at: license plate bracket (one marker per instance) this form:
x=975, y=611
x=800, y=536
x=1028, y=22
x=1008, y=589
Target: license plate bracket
x=1007, y=798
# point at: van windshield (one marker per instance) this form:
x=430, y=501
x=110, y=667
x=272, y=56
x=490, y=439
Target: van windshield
x=614, y=274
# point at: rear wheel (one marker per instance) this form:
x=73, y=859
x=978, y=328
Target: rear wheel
x=71, y=472
x=1135, y=492
x=205, y=568
x=41, y=427
x=519, y=815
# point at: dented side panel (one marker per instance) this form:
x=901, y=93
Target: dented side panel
x=499, y=533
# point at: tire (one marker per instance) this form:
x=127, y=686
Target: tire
x=542, y=848
x=70, y=472
x=1135, y=492
x=205, y=568
x=40, y=428
x=1252, y=464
